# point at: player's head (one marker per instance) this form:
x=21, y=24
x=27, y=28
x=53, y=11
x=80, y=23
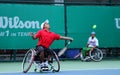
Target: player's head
x=45, y=24
x=93, y=34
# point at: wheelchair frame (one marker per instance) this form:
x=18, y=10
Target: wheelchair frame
x=29, y=60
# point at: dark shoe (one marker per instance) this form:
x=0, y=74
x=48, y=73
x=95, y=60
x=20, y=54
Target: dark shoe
x=44, y=68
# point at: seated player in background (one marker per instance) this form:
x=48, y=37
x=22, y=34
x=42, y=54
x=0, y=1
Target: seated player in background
x=91, y=44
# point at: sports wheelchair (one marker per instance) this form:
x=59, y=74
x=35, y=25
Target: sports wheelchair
x=96, y=55
x=30, y=59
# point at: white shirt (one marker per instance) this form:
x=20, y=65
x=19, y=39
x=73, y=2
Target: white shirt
x=92, y=42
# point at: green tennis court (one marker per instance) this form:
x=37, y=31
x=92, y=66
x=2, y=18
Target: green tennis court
x=71, y=65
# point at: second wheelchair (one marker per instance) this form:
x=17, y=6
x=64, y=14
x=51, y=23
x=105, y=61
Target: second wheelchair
x=96, y=55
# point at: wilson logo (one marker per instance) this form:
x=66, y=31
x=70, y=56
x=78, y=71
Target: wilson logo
x=16, y=22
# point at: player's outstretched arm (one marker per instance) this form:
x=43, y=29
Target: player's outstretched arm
x=66, y=38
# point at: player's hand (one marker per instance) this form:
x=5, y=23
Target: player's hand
x=31, y=34
x=92, y=49
x=71, y=39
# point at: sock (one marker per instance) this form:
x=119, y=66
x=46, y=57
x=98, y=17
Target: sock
x=46, y=63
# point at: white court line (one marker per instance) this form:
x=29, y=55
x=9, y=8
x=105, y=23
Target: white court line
x=93, y=69
x=74, y=70
x=10, y=72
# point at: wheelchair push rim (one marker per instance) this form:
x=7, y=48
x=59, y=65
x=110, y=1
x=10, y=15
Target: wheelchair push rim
x=96, y=54
x=55, y=62
x=28, y=60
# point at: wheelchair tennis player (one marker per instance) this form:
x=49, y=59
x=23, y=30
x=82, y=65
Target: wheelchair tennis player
x=91, y=50
x=45, y=39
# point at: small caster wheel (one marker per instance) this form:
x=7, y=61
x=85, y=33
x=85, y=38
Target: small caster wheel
x=35, y=70
x=53, y=71
x=41, y=70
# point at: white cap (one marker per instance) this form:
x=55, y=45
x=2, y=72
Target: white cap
x=92, y=32
x=42, y=25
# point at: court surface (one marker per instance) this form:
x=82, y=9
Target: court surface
x=105, y=67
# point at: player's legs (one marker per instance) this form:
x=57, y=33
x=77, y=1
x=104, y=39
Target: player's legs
x=40, y=53
x=85, y=50
x=47, y=54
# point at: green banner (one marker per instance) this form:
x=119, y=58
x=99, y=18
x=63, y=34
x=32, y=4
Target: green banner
x=80, y=20
x=17, y=20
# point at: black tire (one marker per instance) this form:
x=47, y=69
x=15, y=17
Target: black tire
x=96, y=54
x=28, y=60
x=55, y=62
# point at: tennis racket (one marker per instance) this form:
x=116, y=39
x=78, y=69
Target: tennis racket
x=64, y=49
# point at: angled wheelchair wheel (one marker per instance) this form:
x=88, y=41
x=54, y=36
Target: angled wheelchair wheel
x=96, y=54
x=28, y=60
x=81, y=57
x=55, y=62
x=87, y=58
